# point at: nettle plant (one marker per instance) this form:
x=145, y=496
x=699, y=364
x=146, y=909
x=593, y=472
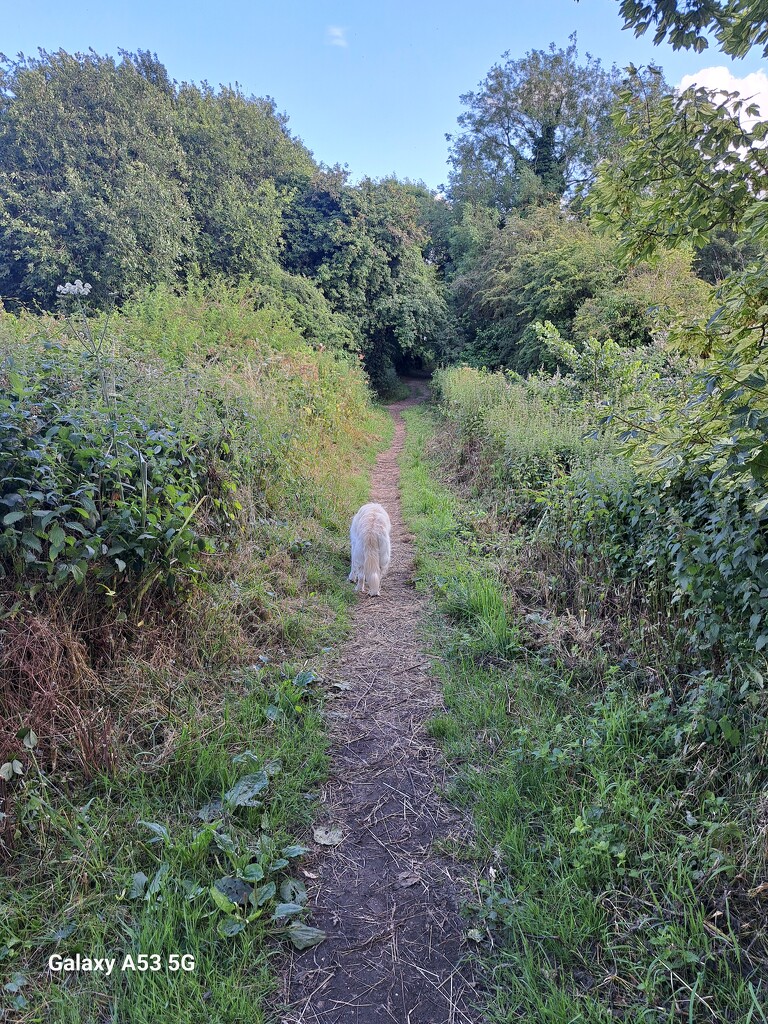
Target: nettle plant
x=93, y=477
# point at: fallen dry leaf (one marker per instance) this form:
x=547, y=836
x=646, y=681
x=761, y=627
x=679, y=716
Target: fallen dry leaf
x=327, y=835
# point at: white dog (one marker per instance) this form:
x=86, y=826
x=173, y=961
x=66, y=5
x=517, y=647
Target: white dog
x=369, y=535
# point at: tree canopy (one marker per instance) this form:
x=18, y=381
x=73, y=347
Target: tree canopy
x=92, y=176
x=112, y=173
x=534, y=130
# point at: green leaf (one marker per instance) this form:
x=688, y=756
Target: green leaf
x=30, y=739
x=253, y=873
x=264, y=893
x=222, y=901
x=303, y=936
x=246, y=790
x=158, y=881
x=235, y=889
x=229, y=927
x=57, y=538
x=160, y=832
x=292, y=890
x=138, y=885
x=225, y=843
x=284, y=910
x=305, y=678
x=211, y=811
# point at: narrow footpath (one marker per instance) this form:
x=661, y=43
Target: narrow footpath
x=386, y=897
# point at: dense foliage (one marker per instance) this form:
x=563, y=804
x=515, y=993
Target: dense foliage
x=176, y=483
x=534, y=131
x=615, y=779
x=614, y=527
x=551, y=265
x=123, y=448
x=113, y=174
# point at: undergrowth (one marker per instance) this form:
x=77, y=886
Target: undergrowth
x=621, y=821
x=173, y=556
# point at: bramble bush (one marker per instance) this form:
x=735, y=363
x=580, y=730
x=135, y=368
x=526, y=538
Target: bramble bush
x=87, y=487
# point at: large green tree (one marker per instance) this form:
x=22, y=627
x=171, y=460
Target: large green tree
x=92, y=176
x=691, y=166
x=242, y=166
x=553, y=266
x=534, y=130
x=365, y=246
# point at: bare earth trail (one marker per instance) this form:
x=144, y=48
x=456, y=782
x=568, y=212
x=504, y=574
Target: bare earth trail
x=387, y=901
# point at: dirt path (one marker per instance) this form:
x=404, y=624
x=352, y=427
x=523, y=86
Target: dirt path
x=386, y=899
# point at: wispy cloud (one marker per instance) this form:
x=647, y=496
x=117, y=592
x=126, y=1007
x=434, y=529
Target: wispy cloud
x=335, y=35
x=753, y=87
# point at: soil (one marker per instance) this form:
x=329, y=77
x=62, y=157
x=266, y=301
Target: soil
x=387, y=899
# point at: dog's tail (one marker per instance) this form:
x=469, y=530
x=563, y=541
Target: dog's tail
x=371, y=565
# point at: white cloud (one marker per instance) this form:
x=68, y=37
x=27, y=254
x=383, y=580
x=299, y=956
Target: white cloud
x=335, y=35
x=753, y=87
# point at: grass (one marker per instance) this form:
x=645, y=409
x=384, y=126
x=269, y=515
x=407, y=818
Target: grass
x=183, y=698
x=620, y=855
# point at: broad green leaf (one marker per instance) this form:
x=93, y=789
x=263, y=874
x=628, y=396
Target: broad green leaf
x=246, y=790
x=303, y=936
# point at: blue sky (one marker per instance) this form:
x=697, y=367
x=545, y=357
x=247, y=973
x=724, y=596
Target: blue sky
x=372, y=85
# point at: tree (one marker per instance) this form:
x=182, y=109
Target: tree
x=534, y=130
x=365, y=247
x=92, y=177
x=689, y=168
x=242, y=166
x=552, y=266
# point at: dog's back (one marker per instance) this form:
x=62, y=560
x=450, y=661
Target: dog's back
x=369, y=534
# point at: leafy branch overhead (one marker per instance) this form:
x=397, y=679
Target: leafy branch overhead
x=737, y=25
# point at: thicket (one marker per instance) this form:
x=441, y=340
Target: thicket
x=548, y=264
x=608, y=579
x=176, y=479
x=112, y=173
x=620, y=815
x=622, y=614
x=139, y=449
x=694, y=556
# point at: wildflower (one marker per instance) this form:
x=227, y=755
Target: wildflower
x=76, y=288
